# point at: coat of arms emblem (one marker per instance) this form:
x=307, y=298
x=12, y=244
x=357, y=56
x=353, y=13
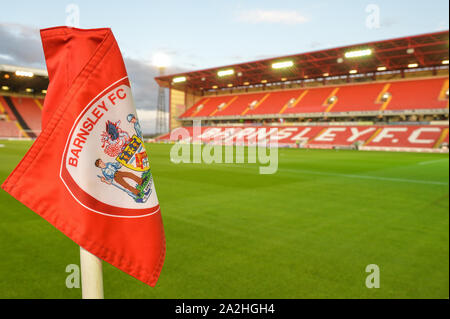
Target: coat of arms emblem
x=127, y=151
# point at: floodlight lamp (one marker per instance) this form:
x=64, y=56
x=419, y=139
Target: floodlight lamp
x=179, y=79
x=24, y=73
x=358, y=53
x=225, y=72
x=282, y=64
x=161, y=60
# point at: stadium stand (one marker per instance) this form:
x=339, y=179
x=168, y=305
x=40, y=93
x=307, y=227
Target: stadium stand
x=385, y=95
x=9, y=129
x=22, y=116
x=8, y=124
x=30, y=110
x=22, y=92
x=413, y=94
x=418, y=94
x=4, y=108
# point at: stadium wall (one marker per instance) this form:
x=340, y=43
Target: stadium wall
x=416, y=138
x=177, y=107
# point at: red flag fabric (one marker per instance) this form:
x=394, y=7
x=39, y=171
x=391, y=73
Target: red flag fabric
x=88, y=172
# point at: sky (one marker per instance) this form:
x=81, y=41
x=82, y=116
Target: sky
x=199, y=34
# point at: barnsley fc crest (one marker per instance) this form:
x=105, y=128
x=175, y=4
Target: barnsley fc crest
x=105, y=164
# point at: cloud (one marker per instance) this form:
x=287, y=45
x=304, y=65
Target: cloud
x=147, y=119
x=142, y=77
x=21, y=45
x=272, y=16
x=143, y=84
x=5, y=57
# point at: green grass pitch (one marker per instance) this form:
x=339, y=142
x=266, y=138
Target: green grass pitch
x=307, y=231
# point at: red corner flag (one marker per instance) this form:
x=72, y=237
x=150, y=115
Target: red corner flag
x=88, y=172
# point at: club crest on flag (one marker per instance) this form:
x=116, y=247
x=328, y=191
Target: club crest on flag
x=106, y=166
x=130, y=152
x=134, y=155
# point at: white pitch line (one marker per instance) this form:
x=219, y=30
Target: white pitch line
x=432, y=162
x=380, y=178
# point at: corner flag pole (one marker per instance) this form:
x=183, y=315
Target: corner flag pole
x=91, y=275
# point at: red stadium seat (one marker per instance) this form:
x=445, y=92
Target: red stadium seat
x=22, y=116
x=418, y=94
x=241, y=104
x=4, y=107
x=359, y=97
x=9, y=129
x=402, y=95
x=30, y=110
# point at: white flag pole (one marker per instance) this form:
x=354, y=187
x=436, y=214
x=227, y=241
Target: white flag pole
x=91, y=275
